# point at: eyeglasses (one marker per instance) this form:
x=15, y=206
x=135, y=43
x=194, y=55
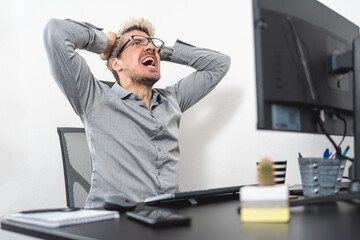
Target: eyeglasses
x=143, y=41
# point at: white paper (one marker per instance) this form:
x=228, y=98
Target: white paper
x=58, y=218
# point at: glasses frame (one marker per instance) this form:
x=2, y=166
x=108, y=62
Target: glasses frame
x=148, y=39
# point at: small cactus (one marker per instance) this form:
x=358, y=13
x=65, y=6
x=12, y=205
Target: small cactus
x=266, y=173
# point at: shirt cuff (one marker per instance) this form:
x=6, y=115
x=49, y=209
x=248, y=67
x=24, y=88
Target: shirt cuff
x=101, y=42
x=182, y=52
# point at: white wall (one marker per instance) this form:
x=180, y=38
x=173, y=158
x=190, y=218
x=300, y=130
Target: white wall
x=219, y=140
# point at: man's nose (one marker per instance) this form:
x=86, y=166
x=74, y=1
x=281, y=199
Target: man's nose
x=150, y=48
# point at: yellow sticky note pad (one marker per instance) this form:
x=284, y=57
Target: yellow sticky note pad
x=265, y=214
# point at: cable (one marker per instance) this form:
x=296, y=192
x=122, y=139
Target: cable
x=344, y=135
x=337, y=147
x=321, y=124
x=345, y=128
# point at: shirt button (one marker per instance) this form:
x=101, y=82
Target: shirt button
x=136, y=97
x=159, y=149
x=159, y=173
x=161, y=128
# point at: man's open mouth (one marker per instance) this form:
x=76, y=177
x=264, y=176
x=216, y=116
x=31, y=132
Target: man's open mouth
x=149, y=62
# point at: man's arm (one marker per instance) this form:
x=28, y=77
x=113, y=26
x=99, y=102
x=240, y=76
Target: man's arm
x=68, y=68
x=211, y=67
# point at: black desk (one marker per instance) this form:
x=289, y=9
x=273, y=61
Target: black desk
x=218, y=220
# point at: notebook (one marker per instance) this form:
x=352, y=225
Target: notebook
x=54, y=219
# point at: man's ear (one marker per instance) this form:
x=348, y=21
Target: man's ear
x=116, y=64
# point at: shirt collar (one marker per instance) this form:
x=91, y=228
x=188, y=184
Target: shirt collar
x=157, y=96
x=123, y=93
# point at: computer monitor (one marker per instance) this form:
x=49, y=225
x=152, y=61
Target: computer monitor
x=302, y=82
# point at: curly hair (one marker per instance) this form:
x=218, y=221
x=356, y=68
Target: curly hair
x=140, y=24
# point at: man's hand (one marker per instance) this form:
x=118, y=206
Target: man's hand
x=111, y=37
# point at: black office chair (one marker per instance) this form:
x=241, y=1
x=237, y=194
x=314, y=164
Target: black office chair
x=77, y=165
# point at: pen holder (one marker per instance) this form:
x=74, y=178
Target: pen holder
x=321, y=176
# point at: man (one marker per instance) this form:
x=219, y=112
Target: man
x=131, y=128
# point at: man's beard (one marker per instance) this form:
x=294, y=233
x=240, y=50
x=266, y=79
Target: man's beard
x=144, y=80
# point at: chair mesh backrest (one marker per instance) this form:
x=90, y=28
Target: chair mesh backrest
x=77, y=166
x=280, y=171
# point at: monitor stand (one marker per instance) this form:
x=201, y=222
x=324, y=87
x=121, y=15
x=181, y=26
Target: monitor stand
x=354, y=171
x=344, y=63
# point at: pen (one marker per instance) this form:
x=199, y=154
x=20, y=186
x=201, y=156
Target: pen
x=51, y=210
x=332, y=155
x=326, y=153
x=346, y=150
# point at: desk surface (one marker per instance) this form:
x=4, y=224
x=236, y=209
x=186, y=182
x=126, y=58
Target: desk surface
x=218, y=220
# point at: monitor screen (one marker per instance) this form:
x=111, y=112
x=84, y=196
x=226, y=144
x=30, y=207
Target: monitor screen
x=294, y=43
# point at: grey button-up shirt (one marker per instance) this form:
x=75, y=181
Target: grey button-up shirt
x=134, y=150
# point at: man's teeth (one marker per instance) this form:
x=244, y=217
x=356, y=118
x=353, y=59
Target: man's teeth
x=148, y=62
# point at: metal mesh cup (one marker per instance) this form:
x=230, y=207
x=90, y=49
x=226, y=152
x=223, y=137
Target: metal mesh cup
x=321, y=176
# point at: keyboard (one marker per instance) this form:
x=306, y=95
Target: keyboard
x=293, y=190
x=193, y=194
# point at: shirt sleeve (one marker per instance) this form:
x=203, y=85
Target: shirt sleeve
x=210, y=66
x=70, y=70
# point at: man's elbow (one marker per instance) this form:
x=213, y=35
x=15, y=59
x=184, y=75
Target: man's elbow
x=227, y=63
x=225, y=66
x=52, y=32
x=50, y=28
